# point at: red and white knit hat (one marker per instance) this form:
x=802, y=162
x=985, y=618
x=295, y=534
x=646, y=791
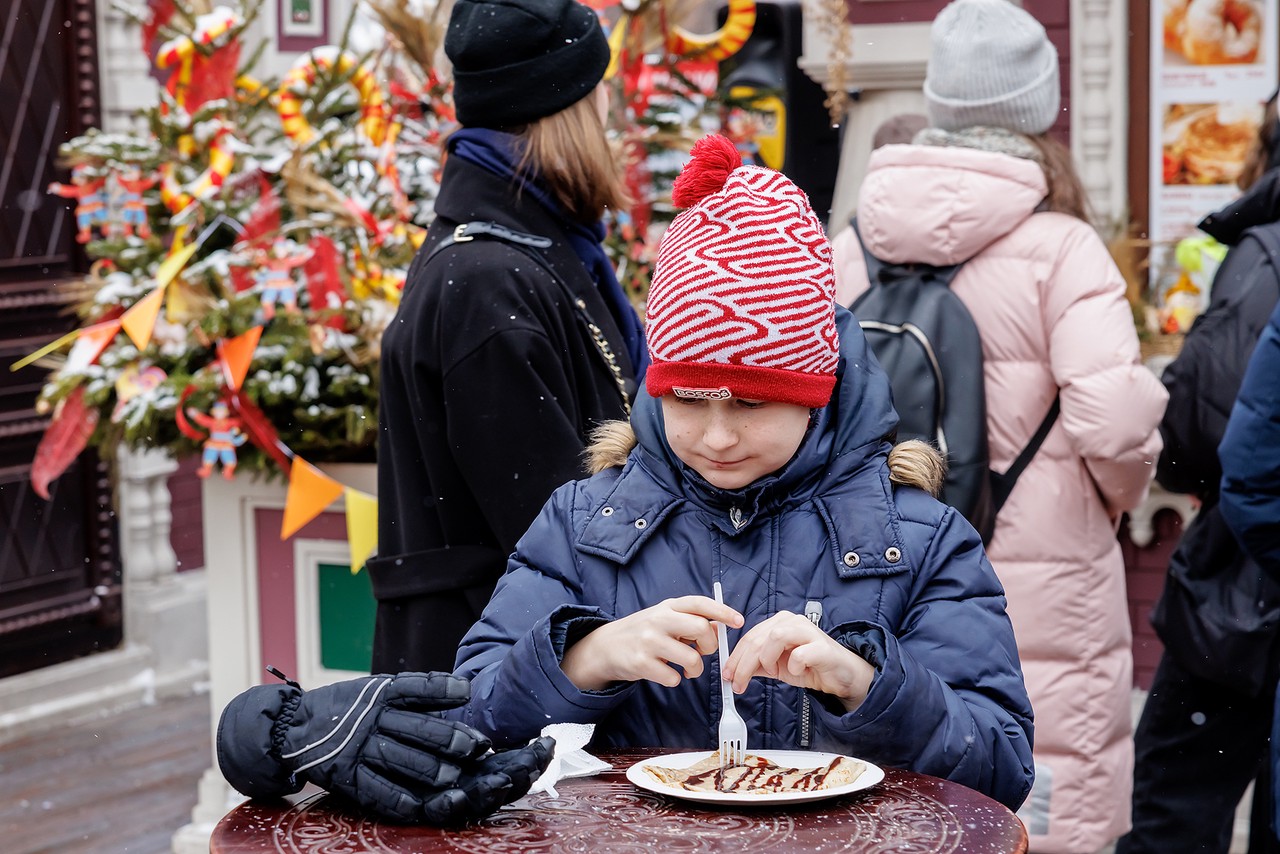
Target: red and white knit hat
x=742, y=302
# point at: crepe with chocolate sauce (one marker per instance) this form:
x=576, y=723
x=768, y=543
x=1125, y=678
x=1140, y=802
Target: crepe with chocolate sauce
x=758, y=776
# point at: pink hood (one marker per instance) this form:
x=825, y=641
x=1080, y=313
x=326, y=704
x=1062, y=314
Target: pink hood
x=941, y=206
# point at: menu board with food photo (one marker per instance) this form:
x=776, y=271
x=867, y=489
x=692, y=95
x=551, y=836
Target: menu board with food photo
x=1213, y=66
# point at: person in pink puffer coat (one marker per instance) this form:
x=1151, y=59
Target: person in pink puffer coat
x=985, y=186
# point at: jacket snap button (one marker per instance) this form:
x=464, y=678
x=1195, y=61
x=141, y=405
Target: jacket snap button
x=893, y=555
x=608, y=511
x=640, y=523
x=851, y=559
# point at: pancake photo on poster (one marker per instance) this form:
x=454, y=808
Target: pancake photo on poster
x=1213, y=32
x=1207, y=143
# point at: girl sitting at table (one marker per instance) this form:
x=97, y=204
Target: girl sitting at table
x=761, y=457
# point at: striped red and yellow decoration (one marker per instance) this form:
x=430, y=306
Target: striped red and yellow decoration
x=176, y=195
x=293, y=92
x=724, y=42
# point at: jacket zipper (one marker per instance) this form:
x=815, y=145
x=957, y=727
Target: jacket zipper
x=812, y=611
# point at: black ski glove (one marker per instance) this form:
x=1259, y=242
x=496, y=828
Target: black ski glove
x=377, y=741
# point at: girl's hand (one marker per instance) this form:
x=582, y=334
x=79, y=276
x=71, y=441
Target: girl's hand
x=790, y=648
x=649, y=644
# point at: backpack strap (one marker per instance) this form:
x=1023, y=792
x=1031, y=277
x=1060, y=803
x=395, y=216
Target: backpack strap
x=1270, y=241
x=468, y=231
x=531, y=245
x=876, y=268
x=1002, y=484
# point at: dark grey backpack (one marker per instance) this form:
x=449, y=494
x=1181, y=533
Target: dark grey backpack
x=926, y=341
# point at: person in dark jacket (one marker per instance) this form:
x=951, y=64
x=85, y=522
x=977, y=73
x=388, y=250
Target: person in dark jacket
x=513, y=338
x=1250, y=455
x=1204, y=728
x=863, y=615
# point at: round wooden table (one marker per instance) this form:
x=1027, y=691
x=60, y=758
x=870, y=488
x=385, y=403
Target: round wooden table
x=607, y=814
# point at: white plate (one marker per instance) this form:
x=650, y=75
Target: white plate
x=788, y=758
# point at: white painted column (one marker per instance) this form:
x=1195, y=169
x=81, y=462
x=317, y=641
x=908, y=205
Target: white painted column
x=886, y=68
x=1100, y=105
x=127, y=86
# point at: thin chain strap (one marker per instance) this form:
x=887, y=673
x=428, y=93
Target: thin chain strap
x=602, y=345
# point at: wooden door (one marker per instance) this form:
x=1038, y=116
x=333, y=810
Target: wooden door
x=59, y=559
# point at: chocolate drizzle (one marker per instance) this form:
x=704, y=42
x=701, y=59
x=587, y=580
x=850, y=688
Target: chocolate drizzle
x=758, y=775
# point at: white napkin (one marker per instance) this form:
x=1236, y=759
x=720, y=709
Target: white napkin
x=569, y=759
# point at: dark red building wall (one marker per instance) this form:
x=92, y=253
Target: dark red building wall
x=1144, y=573
x=187, y=534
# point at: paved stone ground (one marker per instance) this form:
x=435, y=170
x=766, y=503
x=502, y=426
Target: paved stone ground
x=122, y=782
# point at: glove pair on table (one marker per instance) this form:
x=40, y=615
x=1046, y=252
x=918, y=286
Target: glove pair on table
x=378, y=741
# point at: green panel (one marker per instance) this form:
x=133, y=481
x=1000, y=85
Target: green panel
x=346, y=618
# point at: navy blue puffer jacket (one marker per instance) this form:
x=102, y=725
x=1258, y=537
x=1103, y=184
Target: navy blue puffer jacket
x=894, y=575
x=1250, y=454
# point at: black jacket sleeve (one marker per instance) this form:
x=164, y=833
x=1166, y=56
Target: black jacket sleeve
x=1203, y=380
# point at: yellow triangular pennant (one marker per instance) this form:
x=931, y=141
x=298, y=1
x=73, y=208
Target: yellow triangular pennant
x=173, y=263
x=310, y=492
x=45, y=350
x=362, y=527
x=140, y=319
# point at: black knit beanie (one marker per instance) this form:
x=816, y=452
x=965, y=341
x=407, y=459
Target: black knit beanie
x=516, y=61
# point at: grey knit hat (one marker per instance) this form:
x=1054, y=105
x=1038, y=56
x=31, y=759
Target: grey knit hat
x=992, y=64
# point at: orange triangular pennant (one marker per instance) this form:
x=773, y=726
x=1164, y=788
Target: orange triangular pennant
x=310, y=492
x=89, y=345
x=235, y=354
x=140, y=319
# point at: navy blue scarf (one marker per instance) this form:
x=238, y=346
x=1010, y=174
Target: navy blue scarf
x=498, y=153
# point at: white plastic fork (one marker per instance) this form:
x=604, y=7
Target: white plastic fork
x=733, y=730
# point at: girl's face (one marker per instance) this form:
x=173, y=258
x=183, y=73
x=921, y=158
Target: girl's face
x=733, y=442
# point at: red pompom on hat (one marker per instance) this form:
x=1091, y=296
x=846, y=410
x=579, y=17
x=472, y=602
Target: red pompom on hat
x=711, y=161
x=742, y=301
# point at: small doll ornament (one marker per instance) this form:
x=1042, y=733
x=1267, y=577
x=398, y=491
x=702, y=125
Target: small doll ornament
x=91, y=201
x=275, y=277
x=225, y=436
x=133, y=210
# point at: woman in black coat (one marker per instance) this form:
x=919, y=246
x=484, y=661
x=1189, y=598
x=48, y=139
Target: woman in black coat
x=1204, y=728
x=513, y=339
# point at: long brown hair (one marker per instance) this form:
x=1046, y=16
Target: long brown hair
x=574, y=161
x=1066, y=190
x=1258, y=160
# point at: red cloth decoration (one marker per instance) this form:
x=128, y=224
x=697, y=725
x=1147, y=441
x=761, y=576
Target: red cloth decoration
x=184, y=426
x=711, y=160
x=213, y=77
x=264, y=218
x=66, y=436
x=160, y=13
x=323, y=280
x=260, y=431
